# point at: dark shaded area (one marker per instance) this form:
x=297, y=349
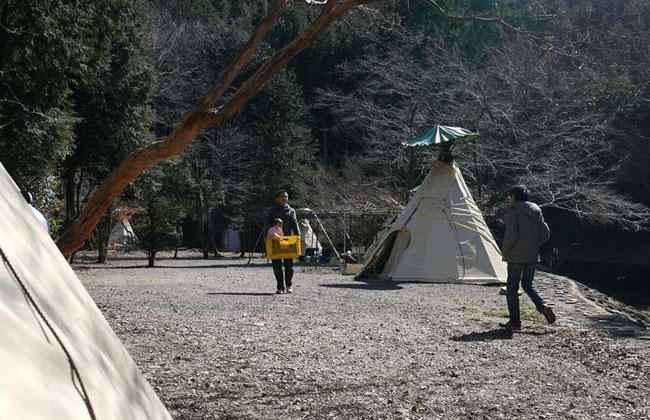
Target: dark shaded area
x=381, y=257
x=185, y=267
x=617, y=325
x=608, y=259
x=628, y=283
x=496, y=334
x=533, y=332
x=375, y=285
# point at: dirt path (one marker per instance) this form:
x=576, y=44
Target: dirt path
x=216, y=343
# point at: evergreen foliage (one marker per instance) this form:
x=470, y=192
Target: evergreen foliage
x=74, y=92
x=159, y=224
x=85, y=82
x=43, y=55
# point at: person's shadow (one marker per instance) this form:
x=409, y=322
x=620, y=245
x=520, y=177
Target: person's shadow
x=491, y=335
x=366, y=285
x=497, y=334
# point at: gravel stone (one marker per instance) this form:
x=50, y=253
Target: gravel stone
x=216, y=342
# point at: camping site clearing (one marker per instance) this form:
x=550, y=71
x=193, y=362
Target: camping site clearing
x=216, y=342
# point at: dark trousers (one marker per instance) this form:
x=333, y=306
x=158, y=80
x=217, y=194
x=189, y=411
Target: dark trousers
x=524, y=273
x=288, y=272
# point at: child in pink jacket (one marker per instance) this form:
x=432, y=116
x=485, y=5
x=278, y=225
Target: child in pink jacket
x=276, y=229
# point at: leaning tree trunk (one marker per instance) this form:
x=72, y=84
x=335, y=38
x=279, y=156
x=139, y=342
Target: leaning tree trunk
x=203, y=116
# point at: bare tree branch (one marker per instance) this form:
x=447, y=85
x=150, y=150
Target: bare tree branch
x=204, y=115
x=199, y=120
x=282, y=57
x=235, y=67
x=547, y=45
x=138, y=161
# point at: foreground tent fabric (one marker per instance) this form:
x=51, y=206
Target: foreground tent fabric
x=440, y=237
x=59, y=358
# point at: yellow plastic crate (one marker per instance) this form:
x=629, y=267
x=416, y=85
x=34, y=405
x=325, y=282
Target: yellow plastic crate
x=281, y=247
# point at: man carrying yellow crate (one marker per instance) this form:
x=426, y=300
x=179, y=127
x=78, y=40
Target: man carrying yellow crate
x=290, y=227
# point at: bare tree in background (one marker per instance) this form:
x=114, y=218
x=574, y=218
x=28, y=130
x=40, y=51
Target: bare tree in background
x=397, y=96
x=217, y=105
x=204, y=115
x=546, y=120
x=550, y=121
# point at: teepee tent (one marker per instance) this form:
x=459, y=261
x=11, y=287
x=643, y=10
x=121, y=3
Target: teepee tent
x=122, y=233
x=308, y=238
x=439, y=237
x=59, y=358
x=380, y=236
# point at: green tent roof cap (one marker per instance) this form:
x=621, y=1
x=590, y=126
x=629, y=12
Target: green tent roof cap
x=441, y=134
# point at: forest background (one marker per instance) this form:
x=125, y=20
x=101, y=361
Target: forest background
x=562, y=106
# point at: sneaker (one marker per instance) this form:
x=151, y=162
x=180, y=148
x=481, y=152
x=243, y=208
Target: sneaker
x=290, y=290
x=279, y=291
x=549, y=315
x=511, y=325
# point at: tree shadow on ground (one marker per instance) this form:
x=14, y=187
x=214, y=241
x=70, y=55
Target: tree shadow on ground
x=127, y=267
x=83, y=257
x=495, y=334
x=108, y=267
x=241, y=293
x=242, y=265
x=618, y=326
x=374, y=285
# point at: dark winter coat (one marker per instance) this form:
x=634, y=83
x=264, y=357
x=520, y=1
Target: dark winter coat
x=288, y=216
x=526, y=231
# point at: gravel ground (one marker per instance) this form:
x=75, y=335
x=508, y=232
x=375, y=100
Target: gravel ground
x=215, y=342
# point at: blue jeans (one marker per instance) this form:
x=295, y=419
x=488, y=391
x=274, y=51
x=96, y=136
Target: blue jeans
x=524, y=273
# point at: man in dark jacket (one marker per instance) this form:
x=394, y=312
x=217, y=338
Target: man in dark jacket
x=525, y=232
x=289, y=227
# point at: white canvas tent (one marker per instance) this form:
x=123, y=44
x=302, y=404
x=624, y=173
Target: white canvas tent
x=439, y=237
x=59, y=358
x=380, y=236
x=122, y=233
x=308, y=238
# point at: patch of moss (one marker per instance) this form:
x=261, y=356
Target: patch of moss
x=496, y=313
x=529, y=313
